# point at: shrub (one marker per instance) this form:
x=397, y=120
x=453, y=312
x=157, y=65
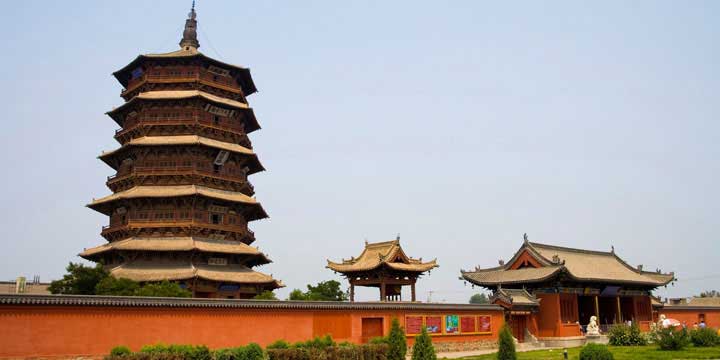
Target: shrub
x=623, y=335
x=595, y=352
x=397, y=344
x=188, y=352
x=506, y=345
x=320, y=342
x=120, y=351
x=356, y=352
x=279, y=344
x=254, y=352
x=671, y=339
x=704, y=337
x=423, y=348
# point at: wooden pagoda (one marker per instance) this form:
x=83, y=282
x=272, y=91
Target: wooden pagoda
x=383, y=265
x=181, y=198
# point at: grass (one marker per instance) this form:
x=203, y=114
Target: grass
x=620, y=353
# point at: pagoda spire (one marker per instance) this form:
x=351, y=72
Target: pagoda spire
x=189, y=39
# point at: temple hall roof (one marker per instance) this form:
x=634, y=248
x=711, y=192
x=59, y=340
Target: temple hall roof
x=515, y=297
x=535, y=263
x=144, y=191
x=183, y=270
x=375, y=255
x=180, y=243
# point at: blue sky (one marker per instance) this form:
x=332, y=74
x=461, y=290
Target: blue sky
x=459, y=125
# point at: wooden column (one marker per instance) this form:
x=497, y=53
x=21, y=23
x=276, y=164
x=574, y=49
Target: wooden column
x=597, y=308
x=382, y=290
x=412, y=292
x=619, y=313
x=352, y=292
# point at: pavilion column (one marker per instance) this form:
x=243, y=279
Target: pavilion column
x=352, y=292
x=597, y=308
x=619, y=314
x=382, y=291
x=412, y=292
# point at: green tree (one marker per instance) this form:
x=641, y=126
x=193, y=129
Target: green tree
x=79, y=280
x=266, y=295
x=163, y=289
x=297, y=294
x=396, y=342
x=710, y=293
x=323, y=291
x=506, y=345
x=111, y=285
x=326, y=291
x=479, y=299
x=423, y=348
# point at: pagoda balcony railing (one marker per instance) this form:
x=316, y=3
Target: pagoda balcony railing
x=166, y=222
x=221, y=82
x=179, y=170
x=200, y=120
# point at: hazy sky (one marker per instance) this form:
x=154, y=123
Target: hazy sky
x=460, y=125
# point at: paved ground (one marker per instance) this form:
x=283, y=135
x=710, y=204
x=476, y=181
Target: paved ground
x=462, y=354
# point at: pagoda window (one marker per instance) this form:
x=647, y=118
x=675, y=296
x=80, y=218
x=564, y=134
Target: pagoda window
x=216, y=218
x=184, y=215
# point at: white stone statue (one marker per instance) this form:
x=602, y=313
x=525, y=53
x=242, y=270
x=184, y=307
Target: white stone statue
x=593, y=329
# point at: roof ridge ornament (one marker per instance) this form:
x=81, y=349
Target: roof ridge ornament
x=189, y=39
x=525, y=238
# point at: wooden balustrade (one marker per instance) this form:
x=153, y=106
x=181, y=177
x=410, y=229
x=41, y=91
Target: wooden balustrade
x=223, y=82
x=151, y=222
x=205, y=119
x=180, y=170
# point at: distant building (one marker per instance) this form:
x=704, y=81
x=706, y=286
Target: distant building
x=21, y=286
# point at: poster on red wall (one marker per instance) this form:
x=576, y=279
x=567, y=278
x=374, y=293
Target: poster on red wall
x=467, y=324
x=485, y=324
x=413, y=324
x=433, y=324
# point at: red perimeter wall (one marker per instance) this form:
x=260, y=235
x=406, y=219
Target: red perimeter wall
x=692, y=315
x=42, y=330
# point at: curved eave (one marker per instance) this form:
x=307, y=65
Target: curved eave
x=413, y=268
x=243, y=74
x=184, y=140
x=238, y=274
x=251, y=124
x=179, y=244
x=104, y=205
x=467, y=275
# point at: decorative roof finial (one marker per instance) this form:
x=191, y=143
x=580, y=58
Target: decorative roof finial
x=525, y=238
x=612, y=249
x=397, y=237
x=189, y=39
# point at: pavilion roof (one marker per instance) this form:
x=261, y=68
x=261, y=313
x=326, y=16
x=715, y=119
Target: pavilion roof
x=183, y=270
x=180, y=243
x=161, y=191
x=244, y=77
x=375, y=255
x=578, y=264
x=185, y=140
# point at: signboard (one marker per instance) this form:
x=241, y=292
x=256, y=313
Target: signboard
x=217, y=261
x=433, y=324
x=485, y=324
x=218, y=209
x=452, y=324
x=413, y=324
x=137, y=73
x=218, y=71
x=467, y=324
x=221, y=157
x=218, y=110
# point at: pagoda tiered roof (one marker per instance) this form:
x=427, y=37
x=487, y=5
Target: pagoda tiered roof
x=243, y=74
x=375, y=255
x=183, y=270
x=537, y=263
x=250, y=126
x=179, y=243
x=170, y=140
x=165, y=191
